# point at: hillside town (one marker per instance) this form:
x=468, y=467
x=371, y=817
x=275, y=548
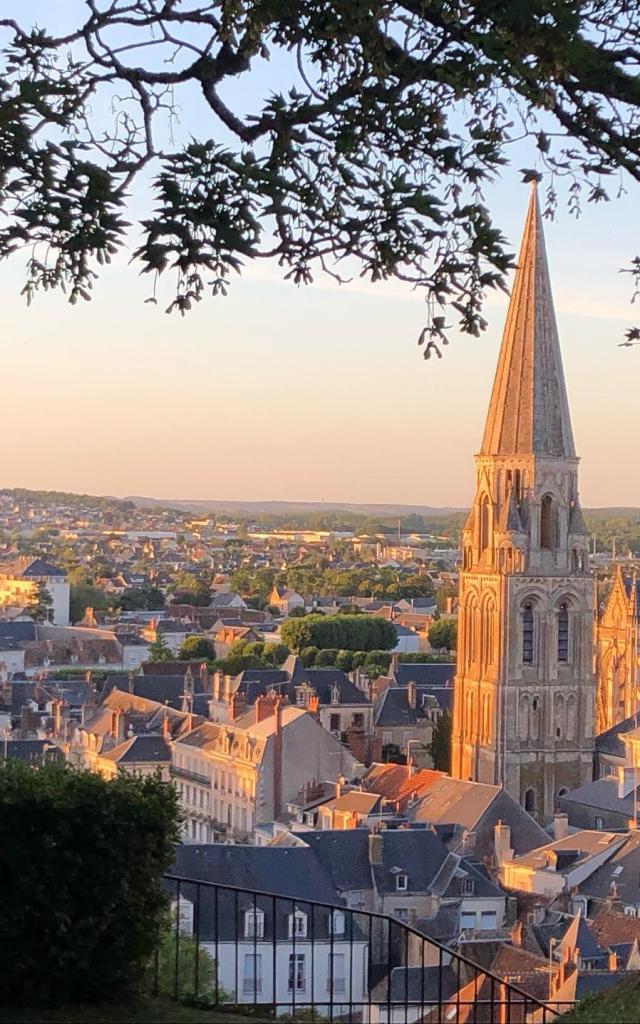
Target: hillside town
x=363, y=714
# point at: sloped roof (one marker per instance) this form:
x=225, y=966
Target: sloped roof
x=141, y=749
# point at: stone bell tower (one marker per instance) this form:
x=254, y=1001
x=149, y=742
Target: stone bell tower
x=525, y=688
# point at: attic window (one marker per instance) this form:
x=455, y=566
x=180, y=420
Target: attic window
x=468, y=887
x=402, y=882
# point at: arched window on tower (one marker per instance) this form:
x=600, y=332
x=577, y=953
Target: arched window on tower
x=548, y=524
x=487, y=630
x=527, y=634
x=572, y=717
x=530, y=801
x=563, y=633
x=484, y=523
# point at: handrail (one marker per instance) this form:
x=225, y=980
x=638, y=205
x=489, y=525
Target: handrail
x=531, y=1001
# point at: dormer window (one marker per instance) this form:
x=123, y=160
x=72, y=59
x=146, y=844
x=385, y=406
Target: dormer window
x=297, y=925
x=254, y=924
x=337, y=923
x=402, y=882
x=468, y=887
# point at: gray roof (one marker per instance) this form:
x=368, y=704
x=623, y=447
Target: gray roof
x=436, y=674
x=623, y=869
x=609, y=742
x=18, y=631
x=144, y=748
x=418, y=853
x=423, y=985
x=31, y=751
x=392, y=707
x=601, y=795
x=40, y=567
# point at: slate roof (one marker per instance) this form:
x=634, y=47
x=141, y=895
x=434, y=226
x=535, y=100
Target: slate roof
x=290, y=871
x=148, y=748
x=165, y=689
x=40, y=567
x=609, y=742
x=418, y=985
x=611, y=927
x=623, y=869
x=392, y=707
x=418, y=853
x=31, y=751
x=436, y=674
x=602, y=795
x=19, y=632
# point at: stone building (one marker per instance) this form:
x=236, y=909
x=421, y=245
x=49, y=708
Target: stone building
x=525, y=689
x=617, y=654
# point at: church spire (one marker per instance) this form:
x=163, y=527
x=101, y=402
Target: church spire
x=529, y=411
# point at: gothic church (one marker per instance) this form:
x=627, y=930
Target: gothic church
x=525, y=686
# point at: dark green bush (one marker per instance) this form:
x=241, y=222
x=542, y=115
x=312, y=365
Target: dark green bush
x=81, y=861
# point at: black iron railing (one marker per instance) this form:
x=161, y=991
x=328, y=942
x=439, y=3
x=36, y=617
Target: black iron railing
x=307, y=960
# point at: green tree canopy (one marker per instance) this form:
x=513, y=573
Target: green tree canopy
x=340, y=632
x=82, y=898
x=159, y=650
x=40, y=608
x=443, y=634
x=196, y=647
x=440, y=748
x=374, y=148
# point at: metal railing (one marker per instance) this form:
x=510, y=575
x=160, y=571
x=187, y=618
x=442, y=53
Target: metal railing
x=304, y=960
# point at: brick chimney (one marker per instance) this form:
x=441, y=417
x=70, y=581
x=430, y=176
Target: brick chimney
x=516, y=934
x=265, y=707
x=277, y=761
x=412, y=697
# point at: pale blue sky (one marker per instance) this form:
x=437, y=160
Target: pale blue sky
x=283, y=393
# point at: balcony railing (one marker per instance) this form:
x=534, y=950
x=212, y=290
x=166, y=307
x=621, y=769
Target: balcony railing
x=336, y=964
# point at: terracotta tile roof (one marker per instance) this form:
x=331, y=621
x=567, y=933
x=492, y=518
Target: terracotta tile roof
x=392, y=782
x=611, y=927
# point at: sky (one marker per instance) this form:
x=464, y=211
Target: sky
x=317, y=393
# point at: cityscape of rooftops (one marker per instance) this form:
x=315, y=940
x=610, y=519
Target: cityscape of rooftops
x=320, y=513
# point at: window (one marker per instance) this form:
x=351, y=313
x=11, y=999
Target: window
x=530, y=801
x=563, y=633
x=599, y=823
x=467, y=919
x=402, y=883
x=254, y=924
x=488, y=920
x=337, y=923
x=468, y=886
x=387, y=738
x=484, y=523
x=337, y=981
x=401, y=913
x=547, y=524
x=334, y=723
x=358, y=721
x=296, y=972
x=252, y=977
x=527, y=634
x=300, y=927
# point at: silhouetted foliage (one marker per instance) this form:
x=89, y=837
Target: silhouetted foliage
x=82, y=900
x=372, y=154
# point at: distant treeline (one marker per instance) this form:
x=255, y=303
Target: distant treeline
x=22, y=494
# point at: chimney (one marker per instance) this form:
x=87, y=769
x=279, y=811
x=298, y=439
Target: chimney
x=238, y=705
x=165, y=726
x=560, y=826
x=265, y=706
x=57, y=716
x=115, y=724
x=395, y=661
x=626, y=779
x=375, y=848
x=502, y=843
x=516, y=934
x=612, y=961
x=339, y=782
x=411, y=694
x=124, y=726
x=130, y=682
x=187, y=702
x=277, y=761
